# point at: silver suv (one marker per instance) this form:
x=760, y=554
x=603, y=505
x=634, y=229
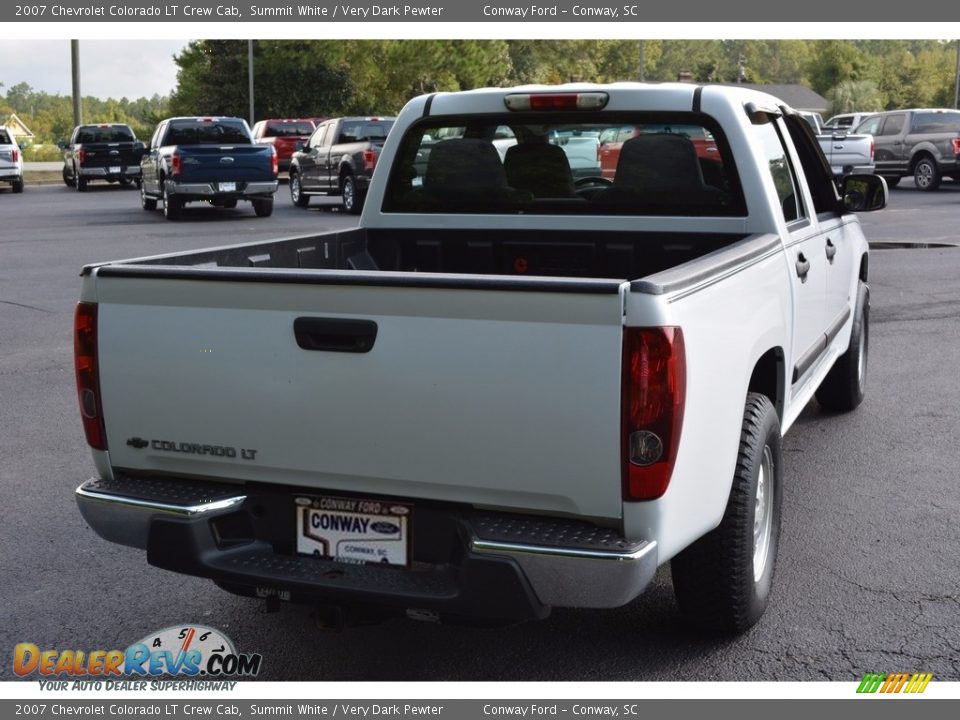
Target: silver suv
x=924, y=143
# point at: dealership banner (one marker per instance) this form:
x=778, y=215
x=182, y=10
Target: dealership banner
x=487, y=709
x=468, y=11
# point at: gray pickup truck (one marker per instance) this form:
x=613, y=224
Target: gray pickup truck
x=924, y=143
x=339, y=159
x=207, y=159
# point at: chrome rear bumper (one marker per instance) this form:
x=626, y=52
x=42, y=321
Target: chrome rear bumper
x=566, y=563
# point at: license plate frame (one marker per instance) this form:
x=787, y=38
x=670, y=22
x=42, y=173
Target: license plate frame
x=114, y=169
x=360, y=531
x=228, y=187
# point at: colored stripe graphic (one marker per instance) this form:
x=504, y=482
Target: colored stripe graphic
x=870, y=683
x=895, y=683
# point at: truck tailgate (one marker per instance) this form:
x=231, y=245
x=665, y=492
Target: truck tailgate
x=504, y=397
x=215, y=163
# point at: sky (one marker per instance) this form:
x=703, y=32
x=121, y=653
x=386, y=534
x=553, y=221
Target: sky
x=108, y=68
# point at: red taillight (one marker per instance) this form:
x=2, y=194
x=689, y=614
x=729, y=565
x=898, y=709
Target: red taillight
x=556, y=101
x=956, y=146
x=88, y=374
x=274, y=160
x=81, y=155
x=872, y=148
x=14, y=155
x=176, y=164
x=654, y=383
x=369, y=160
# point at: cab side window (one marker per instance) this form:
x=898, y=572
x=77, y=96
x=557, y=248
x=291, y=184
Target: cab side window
x=893, y=125
x=781, y=171
x=316, y=140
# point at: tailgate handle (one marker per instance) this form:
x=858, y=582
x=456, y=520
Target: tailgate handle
x=335, y=334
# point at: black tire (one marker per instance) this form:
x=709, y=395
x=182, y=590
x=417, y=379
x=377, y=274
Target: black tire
x=147, y=203
x=892, y=180
x=172, y=206
x=350, y=195
x=714, y=580
x=68, y=179
x=297, y=196
x=263, y=208
x=844, y=386
x=126, y=182
x=17, y=185
x=79, y=181
x=926, y=174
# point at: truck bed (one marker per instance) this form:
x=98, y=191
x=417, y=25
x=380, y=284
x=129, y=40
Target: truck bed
x=616, y=255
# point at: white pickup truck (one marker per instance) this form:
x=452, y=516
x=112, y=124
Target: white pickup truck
x=506, y=390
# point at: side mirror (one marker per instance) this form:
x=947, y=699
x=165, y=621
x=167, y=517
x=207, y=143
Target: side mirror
x=299, y=145
x=62, y=144
x=863, y=193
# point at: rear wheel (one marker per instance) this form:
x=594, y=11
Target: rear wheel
x=68, y=179
x=263, y=208
x=147, y=203
x=843, y=388
x=297, y=196
x=926, y=175
x=80, y=181
x=723, y=580
x=352, y=201
x=17, y=185
x=172, y=206
x=892, y=181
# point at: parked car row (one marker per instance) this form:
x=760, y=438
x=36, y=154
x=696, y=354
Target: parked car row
x=220, y=160
x=923, y=143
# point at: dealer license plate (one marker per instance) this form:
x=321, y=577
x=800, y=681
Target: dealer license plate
x=114, y=169
x=228, y=187
x=353, y=530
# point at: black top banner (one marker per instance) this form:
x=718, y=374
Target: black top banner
x=364, y=11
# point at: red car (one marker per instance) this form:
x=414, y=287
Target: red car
x=284, y=134
x=612, y=139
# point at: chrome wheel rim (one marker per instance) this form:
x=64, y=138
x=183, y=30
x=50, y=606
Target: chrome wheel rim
x=295, y=188
x=924, y=174
x=348, y=194
x=763, y=514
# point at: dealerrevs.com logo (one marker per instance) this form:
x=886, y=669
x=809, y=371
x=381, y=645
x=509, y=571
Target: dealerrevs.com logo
x=193, y=652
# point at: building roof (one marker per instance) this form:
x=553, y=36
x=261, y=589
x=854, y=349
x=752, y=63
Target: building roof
x=16, y=126
x=799, y=97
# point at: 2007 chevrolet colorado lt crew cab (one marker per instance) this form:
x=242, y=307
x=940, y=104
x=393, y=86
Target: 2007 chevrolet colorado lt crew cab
x=505, y=391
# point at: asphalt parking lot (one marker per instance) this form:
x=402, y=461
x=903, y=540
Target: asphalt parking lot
x=868, y=575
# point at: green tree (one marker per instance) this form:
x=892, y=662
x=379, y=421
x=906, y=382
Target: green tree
x=855, y=96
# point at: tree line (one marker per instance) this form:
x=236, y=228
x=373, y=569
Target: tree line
x=309, y=78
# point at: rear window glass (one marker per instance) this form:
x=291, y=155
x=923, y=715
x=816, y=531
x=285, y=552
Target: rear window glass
x=935, y=122
x=288, y=129
x=364, y=131
x=111, y=133
x=4, y=138
x=677, y=164
x=207, y=132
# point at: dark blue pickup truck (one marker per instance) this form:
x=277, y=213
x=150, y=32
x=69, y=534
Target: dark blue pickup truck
x=210, y=159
